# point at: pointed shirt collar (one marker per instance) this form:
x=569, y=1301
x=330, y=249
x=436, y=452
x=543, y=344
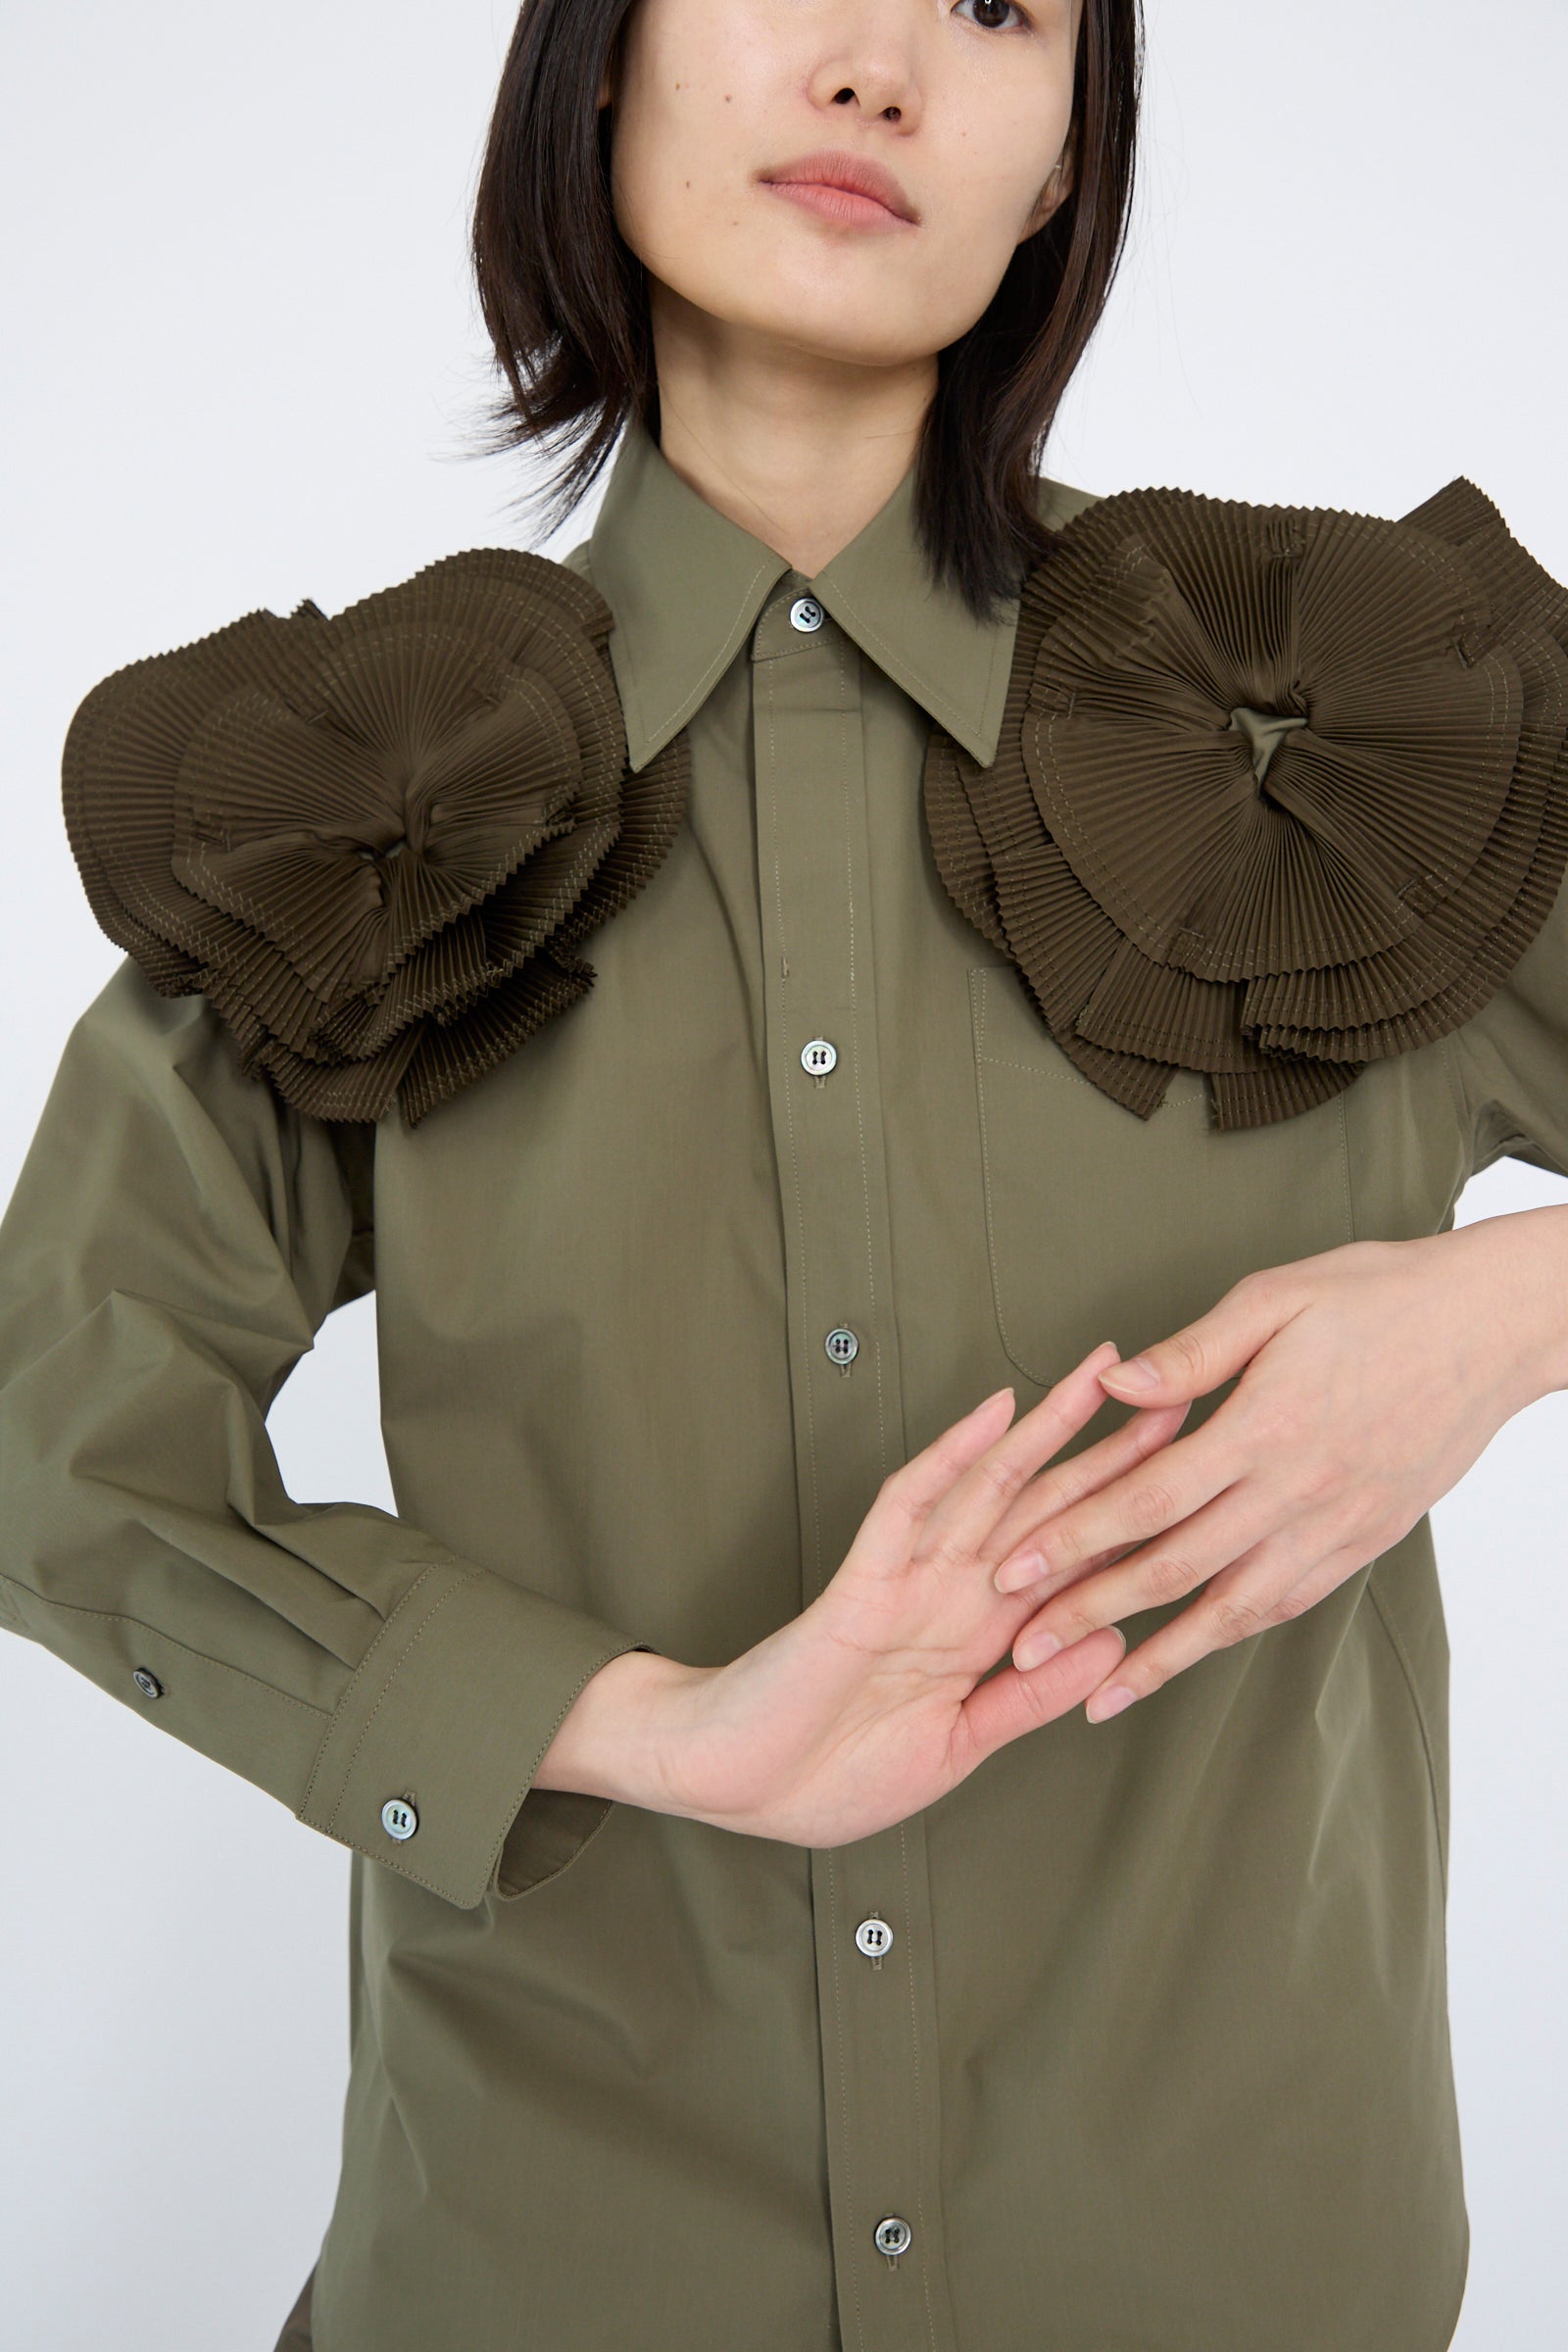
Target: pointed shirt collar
x=686, y=586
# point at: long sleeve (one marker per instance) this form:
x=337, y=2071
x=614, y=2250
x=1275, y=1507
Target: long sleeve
x=175, y=1238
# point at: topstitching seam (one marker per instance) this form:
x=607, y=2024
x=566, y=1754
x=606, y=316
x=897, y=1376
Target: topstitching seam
x=720, y=661
x=386, y=1690
x=359, y=1670
x=860, y=1103
x=925, y=2135
x=789, y=1129
x=844, y=2066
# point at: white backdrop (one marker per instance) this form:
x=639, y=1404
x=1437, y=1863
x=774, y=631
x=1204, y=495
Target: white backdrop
x=241, y=366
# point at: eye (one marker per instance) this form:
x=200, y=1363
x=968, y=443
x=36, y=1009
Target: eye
x=991, y=15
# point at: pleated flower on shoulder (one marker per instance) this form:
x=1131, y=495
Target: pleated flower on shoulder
x=373, y=840
x=1280, y=791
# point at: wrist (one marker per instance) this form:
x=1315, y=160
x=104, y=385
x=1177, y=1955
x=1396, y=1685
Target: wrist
x=1527, y=1254
x=617, y=1736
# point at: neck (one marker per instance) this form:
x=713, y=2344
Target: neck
x=799, y=450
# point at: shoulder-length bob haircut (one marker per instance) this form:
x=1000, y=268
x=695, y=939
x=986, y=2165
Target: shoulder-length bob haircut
x=565, y=300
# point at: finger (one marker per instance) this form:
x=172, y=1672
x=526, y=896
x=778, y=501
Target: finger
x=1199, y=1357
x=967, y=1513
x=1065, y=1483
x=1143, y=1502
x=1008, y=1617
x=1229, y=1611
x=1008, y=1703
x=1040, y=1589
x=926, y=1476
x=1150, y=1577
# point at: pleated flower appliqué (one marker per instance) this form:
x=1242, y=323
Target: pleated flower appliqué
x=1280, y=791
x=373, y=840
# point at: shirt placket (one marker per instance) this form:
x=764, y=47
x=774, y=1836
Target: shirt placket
x=870, y=1899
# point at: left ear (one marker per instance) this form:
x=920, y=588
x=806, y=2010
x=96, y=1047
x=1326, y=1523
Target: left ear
x=1055, y=194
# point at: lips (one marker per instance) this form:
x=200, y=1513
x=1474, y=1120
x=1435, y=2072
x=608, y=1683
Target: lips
x=850, y=189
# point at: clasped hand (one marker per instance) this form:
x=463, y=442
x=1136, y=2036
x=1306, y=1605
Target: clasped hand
x=1368, y=1380
x=1371, y=1378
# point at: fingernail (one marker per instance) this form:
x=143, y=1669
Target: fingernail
x=1035, y=1651
x=1136, y=1373
x=1107, y=1702
x=1013, y=1575
x=989, y=1403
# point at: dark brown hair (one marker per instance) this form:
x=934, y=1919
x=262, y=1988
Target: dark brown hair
x=565, y=300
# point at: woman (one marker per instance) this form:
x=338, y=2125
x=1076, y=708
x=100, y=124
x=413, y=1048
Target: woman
x=767, y=1941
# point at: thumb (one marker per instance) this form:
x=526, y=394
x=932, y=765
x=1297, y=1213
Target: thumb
x=1199, y=1357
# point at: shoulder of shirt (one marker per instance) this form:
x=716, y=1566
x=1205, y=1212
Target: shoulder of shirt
x=577, y=561
x=1059, y=502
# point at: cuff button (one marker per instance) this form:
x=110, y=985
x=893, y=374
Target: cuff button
x=399, y=1817
x=147, y=1684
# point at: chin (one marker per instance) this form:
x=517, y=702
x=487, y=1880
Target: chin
x=844, y=328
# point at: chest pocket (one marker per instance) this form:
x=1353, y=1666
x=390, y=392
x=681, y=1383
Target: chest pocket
x=1103, y=1226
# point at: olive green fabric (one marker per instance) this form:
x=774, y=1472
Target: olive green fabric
x=1158, y=2060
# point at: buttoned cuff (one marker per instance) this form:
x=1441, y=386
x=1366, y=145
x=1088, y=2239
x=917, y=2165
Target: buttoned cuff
x=433, y=1745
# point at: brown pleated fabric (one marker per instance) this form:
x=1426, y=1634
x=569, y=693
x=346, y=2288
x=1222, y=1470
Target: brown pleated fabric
x=1279, y=792
x=374, y=840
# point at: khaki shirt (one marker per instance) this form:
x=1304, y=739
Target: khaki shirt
x=1158, y=2057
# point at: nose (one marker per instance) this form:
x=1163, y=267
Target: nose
x=869, y=66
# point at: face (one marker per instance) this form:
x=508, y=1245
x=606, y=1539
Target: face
x=847, y=178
